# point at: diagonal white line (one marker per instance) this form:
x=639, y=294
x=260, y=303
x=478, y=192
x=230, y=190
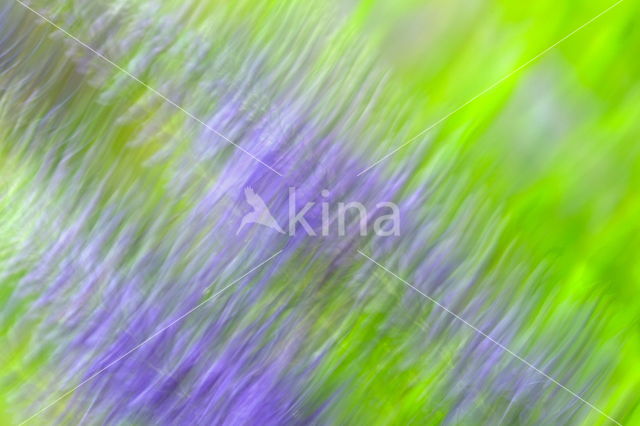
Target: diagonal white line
x=138, y=346
x=165, y=98
x=493, y=86
x=486, y=336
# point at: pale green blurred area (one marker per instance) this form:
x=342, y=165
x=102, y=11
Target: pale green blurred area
x=553, y=151
x=555, y=146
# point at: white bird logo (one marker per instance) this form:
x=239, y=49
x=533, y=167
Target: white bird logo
x=260, y=213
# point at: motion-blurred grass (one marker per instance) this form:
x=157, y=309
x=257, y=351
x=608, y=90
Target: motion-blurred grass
x=543, y=169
